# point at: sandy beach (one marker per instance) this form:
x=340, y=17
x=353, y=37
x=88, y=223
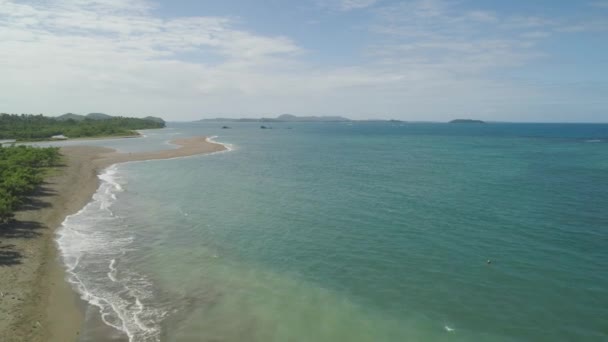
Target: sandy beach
x=36, y=303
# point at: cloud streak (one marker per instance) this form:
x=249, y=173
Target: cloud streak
x=348, y=5
x=345, y=5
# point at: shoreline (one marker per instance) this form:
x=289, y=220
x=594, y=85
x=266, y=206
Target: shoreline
x=103, y=137
x=37, y=303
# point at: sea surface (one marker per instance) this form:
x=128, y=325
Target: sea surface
x=350, y=232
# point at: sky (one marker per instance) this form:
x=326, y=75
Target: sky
x=427, y=60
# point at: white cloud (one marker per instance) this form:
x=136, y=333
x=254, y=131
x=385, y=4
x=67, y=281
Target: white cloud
x=527, y=22
x=586, y=26
x=102, y=50
x=80, y=56
x=430, y=60
x=345, y=5
x=535, y=35
x=348, y=5
x=482, y=16
x=435, y=34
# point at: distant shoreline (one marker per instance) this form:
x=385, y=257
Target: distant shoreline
x=103, y=137
x=36, y=301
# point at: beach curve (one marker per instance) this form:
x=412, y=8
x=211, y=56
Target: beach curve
x=36, y=301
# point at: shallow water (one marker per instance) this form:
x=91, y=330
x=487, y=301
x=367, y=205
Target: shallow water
x=369, y=232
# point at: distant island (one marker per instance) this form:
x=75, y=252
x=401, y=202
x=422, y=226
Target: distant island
x=29, y=127
x=282, y=118
x=294, y=118
x=466, y=121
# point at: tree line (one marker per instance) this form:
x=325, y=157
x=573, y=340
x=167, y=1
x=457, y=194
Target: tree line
x=28, y=127
x=21, y=172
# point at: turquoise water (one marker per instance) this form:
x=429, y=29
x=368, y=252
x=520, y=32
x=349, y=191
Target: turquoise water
x=363, y=232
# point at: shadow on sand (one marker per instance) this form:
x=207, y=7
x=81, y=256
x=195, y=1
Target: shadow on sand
x=38, y=199
x=9, y=256
x=21, y=229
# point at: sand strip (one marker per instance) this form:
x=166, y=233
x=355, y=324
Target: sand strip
x=36, y=303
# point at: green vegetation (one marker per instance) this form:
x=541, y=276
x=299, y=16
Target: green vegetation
x=21, y=171
x=27, y=127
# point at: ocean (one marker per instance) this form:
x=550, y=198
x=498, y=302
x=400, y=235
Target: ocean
x=365, y=231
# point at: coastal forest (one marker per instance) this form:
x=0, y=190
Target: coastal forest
x=21, y=171
x=28, y=127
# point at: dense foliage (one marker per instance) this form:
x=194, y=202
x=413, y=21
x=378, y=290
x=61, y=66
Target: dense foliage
x=39, y=127
x=21, y=171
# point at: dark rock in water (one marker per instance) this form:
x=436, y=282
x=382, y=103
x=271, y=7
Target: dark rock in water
x=264, y=127
x=226, y=127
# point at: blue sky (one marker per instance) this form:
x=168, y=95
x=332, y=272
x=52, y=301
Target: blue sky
x=412, y=60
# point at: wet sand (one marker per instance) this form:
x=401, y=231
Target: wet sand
x=36, y=303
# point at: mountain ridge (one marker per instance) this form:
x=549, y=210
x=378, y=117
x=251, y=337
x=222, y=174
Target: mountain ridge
x=99, y=116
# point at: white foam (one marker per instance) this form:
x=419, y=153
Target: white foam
x=594, y=141
x=94, y=239
x=229, y=147
x=112, y=273
x=182, y=212
x=448, y=329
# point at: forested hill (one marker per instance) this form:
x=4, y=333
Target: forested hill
x=39, y=127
